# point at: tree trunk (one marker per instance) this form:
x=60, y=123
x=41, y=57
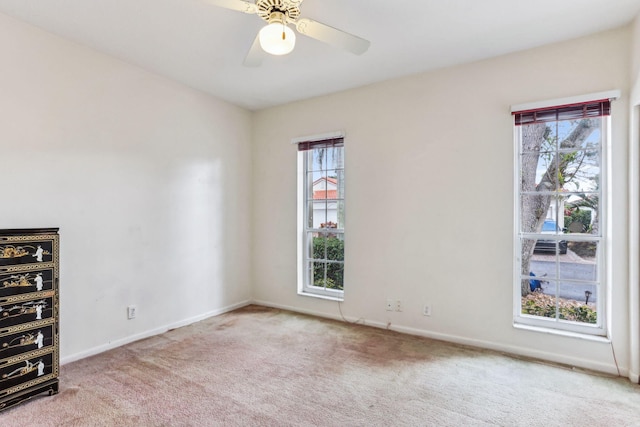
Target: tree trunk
x=532, y=205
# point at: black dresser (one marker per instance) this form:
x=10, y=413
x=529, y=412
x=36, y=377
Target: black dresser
x=29, y=346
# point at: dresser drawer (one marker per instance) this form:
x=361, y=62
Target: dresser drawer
x=27, y=372
x=22, y=282
x=18, y=340
x=21, y=250
x=25, y=308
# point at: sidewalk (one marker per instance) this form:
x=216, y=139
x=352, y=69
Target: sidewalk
x=570, y=256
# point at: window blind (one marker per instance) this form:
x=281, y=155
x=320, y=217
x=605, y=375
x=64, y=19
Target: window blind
x=582, y=110
x=323, y=143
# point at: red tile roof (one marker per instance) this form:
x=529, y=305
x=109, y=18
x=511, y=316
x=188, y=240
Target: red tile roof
x=323, y=178
x=325, y=194
x=330, y=194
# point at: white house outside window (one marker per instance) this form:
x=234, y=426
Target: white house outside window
x=560, y=225
x=321, y=217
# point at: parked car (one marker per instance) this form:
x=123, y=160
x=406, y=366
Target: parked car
x=549, y=246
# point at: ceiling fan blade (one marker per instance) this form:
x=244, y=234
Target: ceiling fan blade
x=239, y=5
x=256, y=54
x=332, y=36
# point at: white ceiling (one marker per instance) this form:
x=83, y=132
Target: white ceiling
x=203, y=46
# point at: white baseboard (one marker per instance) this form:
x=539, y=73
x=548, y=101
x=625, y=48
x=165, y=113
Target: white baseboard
x=578, y=363
x=575, y=362
x=157, y=331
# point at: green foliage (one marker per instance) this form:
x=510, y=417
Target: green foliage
x=325, y=283
x=539, y=304
x=535, y=309
x=579, y=313
x=581, y=216
x=334, y=252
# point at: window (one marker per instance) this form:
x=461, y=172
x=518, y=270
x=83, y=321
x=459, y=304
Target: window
x=321, y=217
x=560, y=224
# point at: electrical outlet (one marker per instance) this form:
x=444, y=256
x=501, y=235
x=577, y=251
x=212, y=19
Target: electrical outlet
x=132, y=310
x=426, y=311
x=398, y=305
x=390, y=305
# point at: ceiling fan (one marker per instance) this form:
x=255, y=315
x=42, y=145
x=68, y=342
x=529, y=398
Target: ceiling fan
x=277, y=38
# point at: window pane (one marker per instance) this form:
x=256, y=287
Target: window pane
x=318, y=248
x=581, y=310
x=550, y=207
x=536, y=138
x=320, y=188
x=318, y=160
x=577, y=292
x=327, y=246
x=581, y=214
x=340, y=214
x=331, y=217
x=560, y=130
x=334, y=158
x=541, y=269
x=319, y=269
x=319, y=213
x=567, y=130
x=528, y=218
x=325, y=207
x=549, y=245
x=546, y=171
x=581, y=171
x=335, y=248
x=549, y=248
x=331, y=184
x=527, y=246
x=317, y=190
x=328, y=275
x=335, y=275
x=537, y=167
x=309, y=272
x=580, y=262
x=538, y=303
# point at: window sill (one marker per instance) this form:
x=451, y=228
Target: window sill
x=568, y=334
x=327, y=297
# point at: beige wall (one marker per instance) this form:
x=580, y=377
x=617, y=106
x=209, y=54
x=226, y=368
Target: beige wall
x=148, y=181
x=434, y=152
x=635, y=58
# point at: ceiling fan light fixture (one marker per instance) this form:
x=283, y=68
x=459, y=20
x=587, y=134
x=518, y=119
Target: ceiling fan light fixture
x=277, y=38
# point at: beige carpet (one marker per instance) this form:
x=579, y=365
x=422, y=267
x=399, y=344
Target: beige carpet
x=265, y=367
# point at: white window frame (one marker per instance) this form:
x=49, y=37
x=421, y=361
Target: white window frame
x=603, y=255
x=305, y=288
